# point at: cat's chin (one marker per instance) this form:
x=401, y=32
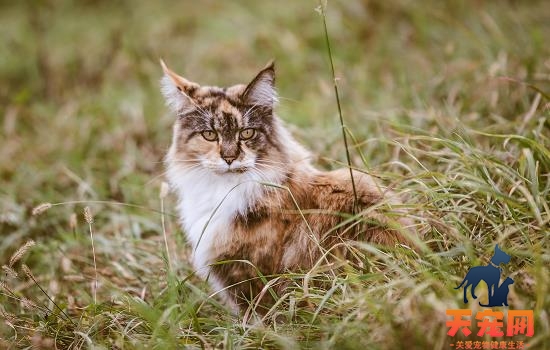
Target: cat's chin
x=238, y=170
x=231, y=171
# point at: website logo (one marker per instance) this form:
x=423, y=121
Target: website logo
x=490, y=274
x=490, y=323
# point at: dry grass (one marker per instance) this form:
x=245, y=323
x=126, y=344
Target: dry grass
x=447, y=102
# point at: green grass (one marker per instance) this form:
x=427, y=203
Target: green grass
x=447, y=101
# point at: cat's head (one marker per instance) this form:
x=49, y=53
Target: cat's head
x=224, y=130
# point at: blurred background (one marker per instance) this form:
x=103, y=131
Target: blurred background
x=82, y=118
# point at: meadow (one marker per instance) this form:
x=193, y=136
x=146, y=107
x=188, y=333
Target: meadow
x=448, y=102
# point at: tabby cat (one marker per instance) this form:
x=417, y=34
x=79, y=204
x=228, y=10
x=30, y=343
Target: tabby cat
x=250, y=201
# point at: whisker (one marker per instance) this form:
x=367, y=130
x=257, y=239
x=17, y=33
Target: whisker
x=272, y=190
x=186, y=160
x=254, y=106
x=279, y=162
x=199, y=108
x=285, y=172
x=155, y=178
x=190, y=167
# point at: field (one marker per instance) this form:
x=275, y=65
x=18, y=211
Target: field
x=448, y=102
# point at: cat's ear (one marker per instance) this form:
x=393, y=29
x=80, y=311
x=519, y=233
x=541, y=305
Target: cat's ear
x=177, y=90
x=261, y=90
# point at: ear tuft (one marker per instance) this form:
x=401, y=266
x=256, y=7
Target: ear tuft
x=176, y=90
x=175, y=100
x=261, y=90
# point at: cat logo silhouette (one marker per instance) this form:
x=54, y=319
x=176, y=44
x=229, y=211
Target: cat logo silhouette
x=490, y=274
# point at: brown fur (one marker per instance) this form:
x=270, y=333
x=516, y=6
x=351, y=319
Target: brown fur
x=291, y=225
x=275, y=238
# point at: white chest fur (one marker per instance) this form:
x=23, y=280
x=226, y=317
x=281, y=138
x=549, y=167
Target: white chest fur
x=208, y=204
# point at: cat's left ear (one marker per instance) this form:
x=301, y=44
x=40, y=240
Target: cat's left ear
x=177, y=90
x=261, y=90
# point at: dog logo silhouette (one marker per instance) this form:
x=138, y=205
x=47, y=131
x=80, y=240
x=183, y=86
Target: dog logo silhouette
x=490, y=274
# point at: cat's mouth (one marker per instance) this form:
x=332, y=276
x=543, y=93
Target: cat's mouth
x=237, y=167
x=230, y=170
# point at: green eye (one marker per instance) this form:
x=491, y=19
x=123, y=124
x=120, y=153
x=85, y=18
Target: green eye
x=209, y=135
x=247, y=134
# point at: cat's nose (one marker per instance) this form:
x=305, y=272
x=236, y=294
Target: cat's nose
x=229, y=159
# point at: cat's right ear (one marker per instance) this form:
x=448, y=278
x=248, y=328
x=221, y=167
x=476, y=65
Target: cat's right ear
x=177, y=90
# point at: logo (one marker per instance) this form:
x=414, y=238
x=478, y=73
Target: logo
x=490, y=274
x=490, y=323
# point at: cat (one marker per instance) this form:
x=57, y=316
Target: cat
x=500, y=297
x=490, y=274
x=250, y=202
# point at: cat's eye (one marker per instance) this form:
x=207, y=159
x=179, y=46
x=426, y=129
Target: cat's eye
x=247, y=134
x=209, y=135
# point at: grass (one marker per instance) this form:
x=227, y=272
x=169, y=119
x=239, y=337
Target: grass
x=447, y=102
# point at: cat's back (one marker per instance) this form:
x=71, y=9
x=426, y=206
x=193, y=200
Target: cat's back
x=335, y=188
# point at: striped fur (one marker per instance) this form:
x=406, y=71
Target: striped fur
x=238, y=196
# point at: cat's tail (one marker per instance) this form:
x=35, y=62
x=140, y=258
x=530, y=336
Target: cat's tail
x=461, y=283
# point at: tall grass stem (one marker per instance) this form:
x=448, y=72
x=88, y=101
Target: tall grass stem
x=163, y=193
x=342, y=125
x=90, y=220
